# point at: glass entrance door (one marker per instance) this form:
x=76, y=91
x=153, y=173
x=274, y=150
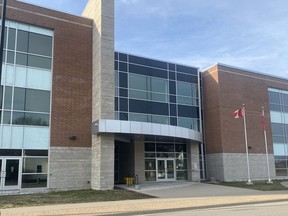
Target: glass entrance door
x=10, y=177
x=165, y=169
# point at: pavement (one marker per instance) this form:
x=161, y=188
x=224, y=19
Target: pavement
x=173, y=197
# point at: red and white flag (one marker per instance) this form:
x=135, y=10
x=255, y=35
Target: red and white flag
x=238, y=113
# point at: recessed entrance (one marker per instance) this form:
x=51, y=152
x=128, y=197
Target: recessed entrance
x=9, y=175
x=165, y=169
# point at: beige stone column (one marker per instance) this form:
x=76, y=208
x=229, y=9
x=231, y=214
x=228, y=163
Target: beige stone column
x=139, y=158
x=102, y=13
x=193, y=164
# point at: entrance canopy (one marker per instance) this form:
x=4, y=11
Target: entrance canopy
x=144, y=128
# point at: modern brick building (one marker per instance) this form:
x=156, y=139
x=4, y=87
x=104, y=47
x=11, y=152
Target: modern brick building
x=77, y=114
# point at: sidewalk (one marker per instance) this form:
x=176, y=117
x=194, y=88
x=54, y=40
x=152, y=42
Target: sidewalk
x=136, y=207
x=201, y=196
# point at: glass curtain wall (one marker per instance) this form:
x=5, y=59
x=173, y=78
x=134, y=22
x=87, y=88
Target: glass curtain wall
x=25, y=96
x=148, y=90
x=279, y=121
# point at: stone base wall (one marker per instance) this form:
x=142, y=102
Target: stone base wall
x=69, y=168
x=193, y=163
x=233, y=167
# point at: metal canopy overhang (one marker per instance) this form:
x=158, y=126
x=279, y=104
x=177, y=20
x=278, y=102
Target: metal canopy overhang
x=144, y=128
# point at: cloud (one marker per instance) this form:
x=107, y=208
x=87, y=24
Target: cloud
x=129, y=1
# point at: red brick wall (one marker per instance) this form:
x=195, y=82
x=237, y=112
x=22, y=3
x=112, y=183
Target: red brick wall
x=234, y=88
x=72, y=71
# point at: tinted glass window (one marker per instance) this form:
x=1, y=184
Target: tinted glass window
x=150, y=147
x=285, y=99
x=159, y=85
x=138, y=82
x=123, y=80
x=277, y=129
x=274, y=97
x=185, y=69
x=6, y=117
x=123, y=92
x=187, y=78
x=122, y=57
x=123, y=104
x=10, y=57
x=37, y=100
x=173, y=110
x=40, y=44
x=8, y=98
x=19, y=99
x=21, y=59
x=12, y=37
x=22, y=41
x=122, y=66
x=188, y=111
x=172, y=87
x=40, y=62
x=36, y=119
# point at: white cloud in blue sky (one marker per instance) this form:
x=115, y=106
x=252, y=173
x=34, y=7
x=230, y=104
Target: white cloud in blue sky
x=247, y=34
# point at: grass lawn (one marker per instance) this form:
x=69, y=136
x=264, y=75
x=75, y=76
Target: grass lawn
x=66, y=197
x=257, y=185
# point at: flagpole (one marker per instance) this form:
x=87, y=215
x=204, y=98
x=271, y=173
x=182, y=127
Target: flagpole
x=266, y=148
x=246, y=144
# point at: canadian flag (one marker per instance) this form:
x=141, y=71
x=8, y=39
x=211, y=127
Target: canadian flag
x=238, y=114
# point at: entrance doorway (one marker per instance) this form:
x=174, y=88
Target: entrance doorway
x=10, y=173
x=165, y=169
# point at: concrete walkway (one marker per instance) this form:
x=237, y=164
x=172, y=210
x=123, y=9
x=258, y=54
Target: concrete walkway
x=201, y=196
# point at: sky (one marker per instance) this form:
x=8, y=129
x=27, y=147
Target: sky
x=250, y=34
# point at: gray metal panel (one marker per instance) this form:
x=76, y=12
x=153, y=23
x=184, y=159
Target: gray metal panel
x=144, y=128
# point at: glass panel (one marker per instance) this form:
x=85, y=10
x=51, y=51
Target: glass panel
x=161, y=169
x=159, y=85
x=149, y=155
x=34, y=180
x=19, y=99
x=12, y=172
x=159, y=97
x=10, y=57
x=159, y=119
x=138, y=117
x=138, y=94
x=37, y=100
x=180, y=148
x=281, y=172
x=11, y=40
x=150, y=147
x=35, y=165
x=280, y=163
x=170, y=169
x=40, y=62
x=6, y=117
x=22, y=41
x=35, y=153
x=181, y=164
x=8, y=98
x=181, y=175
x=10, y=152
x=37, y=119
x=150, y=175
x=18, y=118
x=138, y=82
x=40, y=44
x=21, y=59
x=150, y=164
x=163, y=147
